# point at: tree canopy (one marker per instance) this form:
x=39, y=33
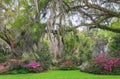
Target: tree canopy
x=25, y=22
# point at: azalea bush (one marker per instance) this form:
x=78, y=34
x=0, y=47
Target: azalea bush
x=107, y=64
x=33, y=67
x=23, y=68
x=102, y=65
x=32, y=64
x=67, y=65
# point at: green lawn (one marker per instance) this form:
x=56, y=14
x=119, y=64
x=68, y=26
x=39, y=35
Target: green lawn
x=59, y=75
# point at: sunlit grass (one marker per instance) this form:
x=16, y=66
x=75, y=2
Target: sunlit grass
x=57, y=74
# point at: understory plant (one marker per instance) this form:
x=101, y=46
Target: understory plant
x=76, y=47
x=33, y=66
x=114, y=46
x=23, y=68
x=67, y=65
x=102, y=65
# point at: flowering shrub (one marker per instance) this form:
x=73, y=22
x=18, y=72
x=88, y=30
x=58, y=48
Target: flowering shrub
x=100, y=58
x=67, y=65
x=102, y=65
x=33, y=67
x=33, y=64
x=109, y=64
x=22, y=67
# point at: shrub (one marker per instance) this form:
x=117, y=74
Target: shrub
x=18, y=71
x=101, y=65
x=4, y=55
x=32, y=67
x=33, y=64
x=45, y=59
x=43, y=54
x=114, y=46
x=67, y=65
x=29, y=67
x=76, y=45
x=109, y=64
x=2, y=59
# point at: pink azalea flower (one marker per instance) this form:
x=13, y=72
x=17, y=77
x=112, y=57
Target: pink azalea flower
x=33, y=64
x=110, y=62
x=107, y=64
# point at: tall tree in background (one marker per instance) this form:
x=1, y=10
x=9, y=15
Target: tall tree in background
x=24, y=22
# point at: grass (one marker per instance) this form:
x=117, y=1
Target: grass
x=57, y=74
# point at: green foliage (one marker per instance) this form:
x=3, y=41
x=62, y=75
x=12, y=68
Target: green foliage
x=112, y=39
x=20, y=21
x=43, y=55
x=43, y=3
x=116, y=70
x=76, y=47
x=115, y=24
x=68, y=1
x=3, y=59
x=115, y=46
x=39, y=30
x=30, y=70
x=4, y=55
x=18, y=71
x=38, y=26
x=94, y=68
x=85, y=43
x=45, y=59
x=22, y=71
x=104, y=35
x=7, y=1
